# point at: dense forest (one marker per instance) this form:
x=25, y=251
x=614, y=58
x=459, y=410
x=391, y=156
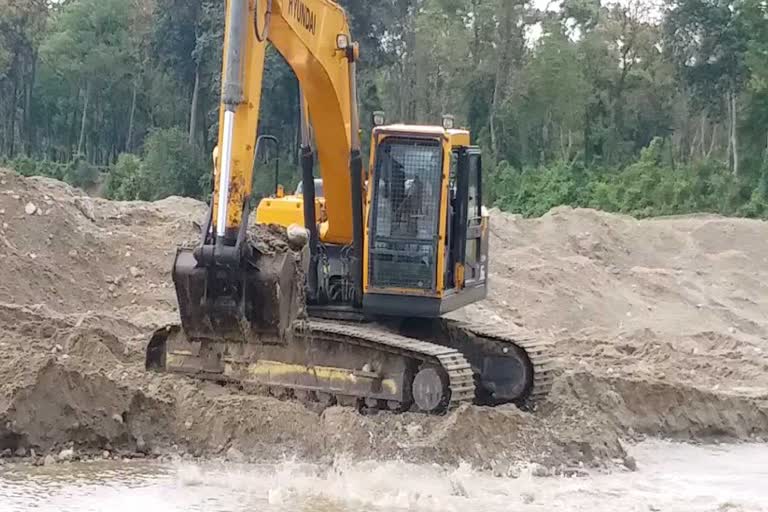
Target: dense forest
x=633, y=106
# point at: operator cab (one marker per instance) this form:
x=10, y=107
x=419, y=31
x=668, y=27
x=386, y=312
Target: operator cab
x=427, y=232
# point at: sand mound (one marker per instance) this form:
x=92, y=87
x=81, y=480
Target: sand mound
x=660, y=328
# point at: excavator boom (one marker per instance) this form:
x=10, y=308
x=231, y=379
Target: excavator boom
x=314, y=39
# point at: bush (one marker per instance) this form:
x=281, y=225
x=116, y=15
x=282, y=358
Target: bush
x=171, y=166
x=82, y=176
x=79, y=173
x=648, y=187
x=534, y=191
x=124, y=180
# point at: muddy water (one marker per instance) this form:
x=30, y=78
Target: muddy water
x=671, y=477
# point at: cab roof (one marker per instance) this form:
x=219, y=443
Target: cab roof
x=456, y=136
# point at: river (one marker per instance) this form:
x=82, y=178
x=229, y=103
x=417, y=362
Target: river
x=670, y=477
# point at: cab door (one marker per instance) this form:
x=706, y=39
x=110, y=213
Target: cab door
x=473, y=263
x=467, y=246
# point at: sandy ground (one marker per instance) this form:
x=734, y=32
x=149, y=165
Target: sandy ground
x=661, y=329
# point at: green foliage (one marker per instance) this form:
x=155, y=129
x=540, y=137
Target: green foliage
x=647, y=187
x=534, y=191
x=78, y=173
x=125, y=181
x=170, y=167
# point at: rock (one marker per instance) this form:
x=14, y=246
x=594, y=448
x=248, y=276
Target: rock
x=20, y=452
x=112, y=288
x=73, y=253
x=118, y=418
x=105, y=454
x=6, y=453
x=234, y=455
x=135, y=271
x=66, y=454
x=539, y=470
x=571, y=472
x=527, y=498
x=30, y=208
x=49, y=460
x=630, y=463
x=298, y=236
x=141, y=445
x=413, y=429
x=458, y=489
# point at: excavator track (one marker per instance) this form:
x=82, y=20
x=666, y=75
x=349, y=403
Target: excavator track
x=509, y=365
x=538, y=352
x=457, y=368
x=412, y=374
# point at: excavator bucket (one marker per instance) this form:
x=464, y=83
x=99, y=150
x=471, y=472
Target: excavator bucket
x=255, y=300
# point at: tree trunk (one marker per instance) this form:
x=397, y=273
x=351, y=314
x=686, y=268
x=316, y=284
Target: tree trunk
x=729, y=135
x=694, y=143
x=734, y=133
x=193, y=109
x=504, y=37
x=129, y=137
x=765, y=155
x=12, y=115
x=28, y=130
x=587, y=134
x=712, y=141
x=81, y=141
x=492, y=118
x=475, y=33
x=71, y=137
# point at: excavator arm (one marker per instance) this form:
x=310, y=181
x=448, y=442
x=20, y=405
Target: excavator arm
x=227, y=287
x=314, y=39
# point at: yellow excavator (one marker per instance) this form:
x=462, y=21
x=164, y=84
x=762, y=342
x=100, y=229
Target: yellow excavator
x=355, y=316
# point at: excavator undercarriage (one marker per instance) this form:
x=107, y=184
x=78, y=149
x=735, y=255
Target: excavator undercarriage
x=368, y=365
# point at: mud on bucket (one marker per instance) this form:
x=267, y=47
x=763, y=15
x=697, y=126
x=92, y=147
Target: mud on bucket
x=254, y=302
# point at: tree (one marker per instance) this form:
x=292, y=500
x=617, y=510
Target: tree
x=707, y=43
x=88, y=48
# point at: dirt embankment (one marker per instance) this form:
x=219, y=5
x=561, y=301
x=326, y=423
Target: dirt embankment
x=660, y=326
